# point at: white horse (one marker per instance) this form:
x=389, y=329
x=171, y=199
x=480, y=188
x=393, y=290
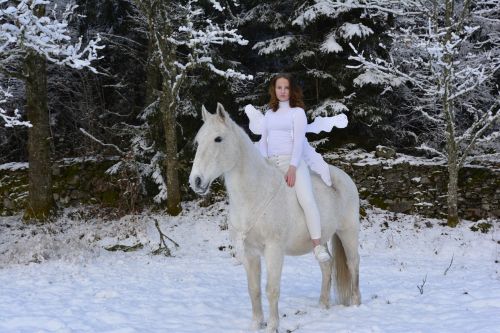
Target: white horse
x=266, y=218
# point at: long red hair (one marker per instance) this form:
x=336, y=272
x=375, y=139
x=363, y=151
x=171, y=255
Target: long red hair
x=296, y=96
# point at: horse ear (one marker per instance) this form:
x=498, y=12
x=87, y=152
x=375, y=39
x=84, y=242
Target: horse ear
x=221, y=112
x=204, y=113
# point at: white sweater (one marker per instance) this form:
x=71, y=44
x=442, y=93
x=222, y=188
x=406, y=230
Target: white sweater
x=284, y=132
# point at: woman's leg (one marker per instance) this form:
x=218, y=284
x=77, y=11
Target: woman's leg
x=305, y=196
x=303, y=188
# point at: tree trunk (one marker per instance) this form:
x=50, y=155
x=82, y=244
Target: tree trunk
x=451, y=144
x=40, y=200
x=451, y=149
x=168, y=110
x=452, y=201
x=159, y=76
x=153, y=76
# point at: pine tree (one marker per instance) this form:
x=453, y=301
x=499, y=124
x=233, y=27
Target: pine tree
x=310, y=39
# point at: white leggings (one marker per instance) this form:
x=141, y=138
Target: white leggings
x=303, y=189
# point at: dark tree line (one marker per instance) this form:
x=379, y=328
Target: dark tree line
x=164, y=59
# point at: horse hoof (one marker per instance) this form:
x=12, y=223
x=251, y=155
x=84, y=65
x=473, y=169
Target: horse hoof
x=272, y=329
x=355, y=300
x=324, y=305
x=258, y=325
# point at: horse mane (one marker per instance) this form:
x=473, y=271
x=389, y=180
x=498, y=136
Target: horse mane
x=249, y=145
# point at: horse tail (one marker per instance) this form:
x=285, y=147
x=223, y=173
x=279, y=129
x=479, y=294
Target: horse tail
x=345, y=268
x=346, y=285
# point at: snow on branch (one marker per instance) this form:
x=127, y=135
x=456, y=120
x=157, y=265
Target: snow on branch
x=350, y=30
x=187, y=25
x=150, y=109
x=212, y=34
x=334, y=8
x=327, y=108
x=492, y=137
x=471, y=78
x=478, y=129
x=217, y=5
x=319, y=74
x=487, y=119
x=320, y=8
x=379, y=71
x=156, y=175
x=436, y=119
x=10, y=121
x=304, y=55
x=274, y=45
x=431, y=150
x=48, y=36
x=330, y=45
x=102, y=143
x=229, y=73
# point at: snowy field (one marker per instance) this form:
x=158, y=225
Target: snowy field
x=59, y=278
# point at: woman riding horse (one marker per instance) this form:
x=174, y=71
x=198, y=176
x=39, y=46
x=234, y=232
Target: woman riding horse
x=282, y=142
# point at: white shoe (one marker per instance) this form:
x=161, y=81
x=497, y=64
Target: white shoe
x=320, y=253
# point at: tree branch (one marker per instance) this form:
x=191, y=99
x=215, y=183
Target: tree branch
x=102, y=143
x=477, y=135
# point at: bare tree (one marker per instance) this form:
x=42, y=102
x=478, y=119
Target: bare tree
x=182, y=38
x=28, y=39
x=448, y=53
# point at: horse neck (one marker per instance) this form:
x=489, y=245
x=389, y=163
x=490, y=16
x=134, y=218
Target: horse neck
x=251, y=180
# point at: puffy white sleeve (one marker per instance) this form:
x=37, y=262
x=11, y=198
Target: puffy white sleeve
x=256, y=119
x=299, y=135
x=263, y=138
x=327, y=123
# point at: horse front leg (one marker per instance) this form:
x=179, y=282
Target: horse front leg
x=274, y=263
x=253, y=269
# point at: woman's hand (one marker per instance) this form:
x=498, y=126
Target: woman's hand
x=290, y=175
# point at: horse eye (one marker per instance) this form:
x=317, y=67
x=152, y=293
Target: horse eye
x=218, y=139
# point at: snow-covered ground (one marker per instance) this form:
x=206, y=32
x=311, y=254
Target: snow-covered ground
x=59, y=278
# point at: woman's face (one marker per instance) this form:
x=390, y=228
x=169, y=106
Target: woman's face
x=282, y=89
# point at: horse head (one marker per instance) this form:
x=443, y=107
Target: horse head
x=217, y=149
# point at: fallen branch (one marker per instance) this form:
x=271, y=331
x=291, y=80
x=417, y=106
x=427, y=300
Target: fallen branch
x=451, y=262
x=162, y=246
x=125, y=248
x=421, y=287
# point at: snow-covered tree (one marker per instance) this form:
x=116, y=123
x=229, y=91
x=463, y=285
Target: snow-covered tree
x=183, y=37
x=27, y=28
x=448, y=54
x=29, y=37
x=310, y=39
x=348, y=22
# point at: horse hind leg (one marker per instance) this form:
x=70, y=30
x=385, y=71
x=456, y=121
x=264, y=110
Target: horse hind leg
x=326, y=283
x=346, y=267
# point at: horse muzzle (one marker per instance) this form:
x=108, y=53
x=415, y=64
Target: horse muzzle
x=198, y=185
